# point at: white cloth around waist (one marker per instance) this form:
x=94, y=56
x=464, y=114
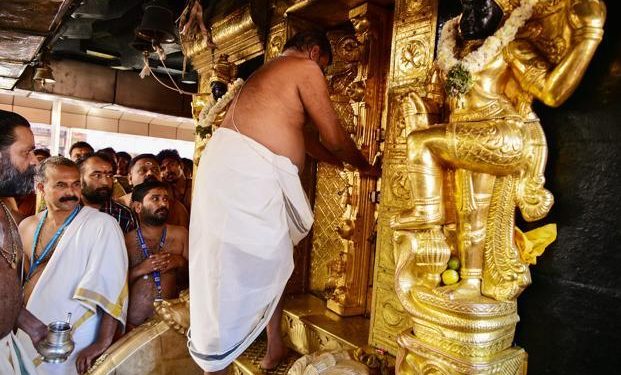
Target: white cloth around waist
x=241, y=251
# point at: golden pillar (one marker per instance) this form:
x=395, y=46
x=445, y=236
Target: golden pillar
x=413, y=42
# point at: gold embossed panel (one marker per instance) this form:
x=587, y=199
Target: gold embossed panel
x=328, y=212
x=413, y=41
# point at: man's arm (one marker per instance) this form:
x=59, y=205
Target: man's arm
x=317, y=150
x=32, y=326
x=314, y=95
x=107, y=328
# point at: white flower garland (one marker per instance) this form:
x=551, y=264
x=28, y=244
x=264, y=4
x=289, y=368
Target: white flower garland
x=209, y=112
x=476, y=60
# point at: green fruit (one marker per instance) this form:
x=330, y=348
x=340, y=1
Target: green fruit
x=453, y=263
x=450, y=277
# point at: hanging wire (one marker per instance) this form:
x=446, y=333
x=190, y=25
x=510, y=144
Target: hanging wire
x=146, y=71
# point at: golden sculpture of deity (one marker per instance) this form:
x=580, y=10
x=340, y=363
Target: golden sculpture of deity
x=470, y=171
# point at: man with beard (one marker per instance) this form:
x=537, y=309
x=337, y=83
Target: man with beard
x=145, y=167
x=76, y=263
x=97, y=177
x=157, y=252
x=172, y=173
x=17, y=163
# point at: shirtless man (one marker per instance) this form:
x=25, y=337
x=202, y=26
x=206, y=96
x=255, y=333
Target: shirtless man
x=235, y=207
x=145, y=167
x=169, y=259
x=17, y=163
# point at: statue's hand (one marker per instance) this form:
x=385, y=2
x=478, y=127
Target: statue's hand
x=587, y=13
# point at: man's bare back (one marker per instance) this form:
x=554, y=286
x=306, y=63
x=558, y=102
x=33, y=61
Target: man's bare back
x=279, y=99
x=142, y=290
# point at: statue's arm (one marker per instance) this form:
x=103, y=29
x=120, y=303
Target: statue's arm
x=554, y=84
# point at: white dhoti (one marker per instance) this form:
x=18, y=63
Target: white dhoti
x=13, y=360
x=86, y=276
x=248, y=210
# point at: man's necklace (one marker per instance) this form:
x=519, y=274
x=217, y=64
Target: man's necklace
x=51, y=245
x=10, y=255
x=146, y=253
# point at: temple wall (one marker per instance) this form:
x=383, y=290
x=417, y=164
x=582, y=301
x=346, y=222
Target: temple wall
x=570, y=314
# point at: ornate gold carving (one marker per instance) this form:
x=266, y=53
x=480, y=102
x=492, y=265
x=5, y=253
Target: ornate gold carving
x=344, y=218
x=176, y=312
x=412, y=56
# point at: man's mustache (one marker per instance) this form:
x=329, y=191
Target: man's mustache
x=68, y=198
x=163, y=210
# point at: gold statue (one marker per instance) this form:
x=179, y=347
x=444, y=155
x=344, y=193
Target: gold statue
x=469, y=173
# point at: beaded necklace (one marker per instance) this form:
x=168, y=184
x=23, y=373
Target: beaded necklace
x=10, y=255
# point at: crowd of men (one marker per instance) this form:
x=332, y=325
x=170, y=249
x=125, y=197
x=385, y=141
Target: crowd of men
x=98, y=235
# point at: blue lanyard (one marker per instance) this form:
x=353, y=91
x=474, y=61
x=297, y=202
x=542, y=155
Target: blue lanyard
x=50, y=245
x=146, y=254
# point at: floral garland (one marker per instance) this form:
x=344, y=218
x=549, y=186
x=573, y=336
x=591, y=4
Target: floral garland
x=459, y=72
x=210, y=111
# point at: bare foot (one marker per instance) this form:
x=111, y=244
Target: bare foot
x=276, y=352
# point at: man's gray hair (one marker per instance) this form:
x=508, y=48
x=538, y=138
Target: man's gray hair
x=53, y=162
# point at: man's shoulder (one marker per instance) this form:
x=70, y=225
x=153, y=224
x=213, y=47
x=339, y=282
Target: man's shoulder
x=177, y=231
x=95, y=217
x=30, y=221
x=295, y=68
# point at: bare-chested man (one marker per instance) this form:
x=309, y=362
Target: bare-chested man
x=157, y=252
x=249, y=207
x=17, y=163
x=145, y=167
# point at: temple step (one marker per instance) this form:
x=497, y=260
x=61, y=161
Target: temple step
x=308, y=326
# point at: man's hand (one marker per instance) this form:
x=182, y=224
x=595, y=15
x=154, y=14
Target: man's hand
x=38, y=333
x=373, y=171
x=87, y=356
x=173, y=261
x=154, y=263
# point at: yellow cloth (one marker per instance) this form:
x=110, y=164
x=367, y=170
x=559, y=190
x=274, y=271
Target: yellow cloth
x=533, y=243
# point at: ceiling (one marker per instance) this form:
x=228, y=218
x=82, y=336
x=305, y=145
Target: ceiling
x=93, y=31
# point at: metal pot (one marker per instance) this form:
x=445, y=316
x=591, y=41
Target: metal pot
x=58, y=344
